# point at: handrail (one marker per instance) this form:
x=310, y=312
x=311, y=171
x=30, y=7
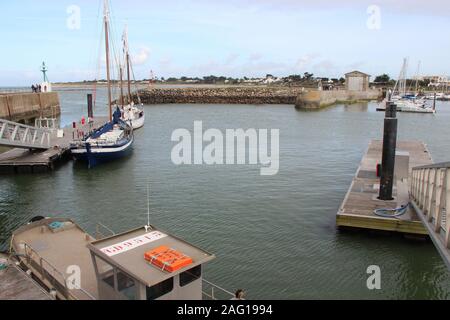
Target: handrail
x=440, y=165
x=97, y=230
x=212, y=295
x=51, y=277
x=430, y=193
x=23, y=136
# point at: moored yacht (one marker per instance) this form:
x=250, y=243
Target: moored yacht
x=131, y=113
x=111, y=141
x=114, y=139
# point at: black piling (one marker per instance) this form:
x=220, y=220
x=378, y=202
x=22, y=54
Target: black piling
x=388, y=156
x=89, y=104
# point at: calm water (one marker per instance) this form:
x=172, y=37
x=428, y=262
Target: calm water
x=275, y=236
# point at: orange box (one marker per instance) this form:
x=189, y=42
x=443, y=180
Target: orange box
x=167, y=259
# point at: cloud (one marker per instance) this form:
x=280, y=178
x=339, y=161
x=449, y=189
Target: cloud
x=141, y=56
x=255, y=57
x=429, y=7
x=306, y=60
x=232, y=57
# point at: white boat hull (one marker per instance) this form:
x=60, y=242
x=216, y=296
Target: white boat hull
x=137, y=123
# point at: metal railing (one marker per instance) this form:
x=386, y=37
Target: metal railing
x=211, y=291
x=13, y=134
x=100, y=235
x=15, y=90
x=47, y=272
x=46, y=123
x=430, y=193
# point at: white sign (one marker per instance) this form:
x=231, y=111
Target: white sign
x=132, y=243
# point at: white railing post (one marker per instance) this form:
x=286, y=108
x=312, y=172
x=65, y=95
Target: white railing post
x=431, y=196
x=447, y=209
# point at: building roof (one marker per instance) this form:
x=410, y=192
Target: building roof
x=357, y=73
x=126, y=251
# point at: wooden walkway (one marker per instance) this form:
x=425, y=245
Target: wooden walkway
x=361, y=199
x=32, y=161
x=15, y=284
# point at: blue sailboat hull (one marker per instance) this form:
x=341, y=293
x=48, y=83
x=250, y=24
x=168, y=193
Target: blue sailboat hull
x=95, y=156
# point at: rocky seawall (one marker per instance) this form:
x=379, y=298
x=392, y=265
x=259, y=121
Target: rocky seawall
x=225, y=95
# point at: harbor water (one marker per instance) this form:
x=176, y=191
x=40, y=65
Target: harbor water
x=273, y=236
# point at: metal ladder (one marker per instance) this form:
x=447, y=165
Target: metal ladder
x=13, y=134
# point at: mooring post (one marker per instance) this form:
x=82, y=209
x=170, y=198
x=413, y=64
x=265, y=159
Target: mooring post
x=89, y=104
x=388, y=156
x=434, y=102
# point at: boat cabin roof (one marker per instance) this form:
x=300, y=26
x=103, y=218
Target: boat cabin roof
x=126, y=251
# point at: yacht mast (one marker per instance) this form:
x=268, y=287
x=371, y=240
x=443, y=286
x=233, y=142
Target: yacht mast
x=106, y=21
x=127, y=57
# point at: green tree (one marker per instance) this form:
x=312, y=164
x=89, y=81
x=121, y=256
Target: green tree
x=382, y=78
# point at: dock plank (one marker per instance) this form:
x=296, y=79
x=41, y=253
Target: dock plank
x=15, y=284
x=23, y=160
x=357, y=208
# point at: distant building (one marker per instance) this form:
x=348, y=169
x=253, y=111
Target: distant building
x=357, y=81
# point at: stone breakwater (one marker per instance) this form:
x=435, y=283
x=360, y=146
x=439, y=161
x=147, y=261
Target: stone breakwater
x=224, y=95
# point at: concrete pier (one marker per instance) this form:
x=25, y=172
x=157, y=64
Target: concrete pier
x=15, y=284
x=316, y=99
x=25, y=107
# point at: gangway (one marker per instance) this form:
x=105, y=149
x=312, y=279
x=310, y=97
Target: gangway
x=430, y=196
x=13, y=134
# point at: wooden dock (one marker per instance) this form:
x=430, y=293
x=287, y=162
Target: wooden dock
x=357, y=209
x=32, y=161
x=15, y=284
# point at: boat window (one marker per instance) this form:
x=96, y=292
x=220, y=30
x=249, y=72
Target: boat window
x=159, y=289
x=190, y=275
x=126, y=285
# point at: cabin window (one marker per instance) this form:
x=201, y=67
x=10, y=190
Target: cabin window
x=160, y=289
x=126, y=285
x=190, y=275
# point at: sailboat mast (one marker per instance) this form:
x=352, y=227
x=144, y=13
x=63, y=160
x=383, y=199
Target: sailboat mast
x=121, y=86
x=108, y=78
x=127, y=56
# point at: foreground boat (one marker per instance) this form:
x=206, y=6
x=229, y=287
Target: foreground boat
x=145, y=263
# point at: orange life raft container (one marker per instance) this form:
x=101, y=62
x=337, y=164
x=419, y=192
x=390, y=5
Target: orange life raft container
x=167, y=259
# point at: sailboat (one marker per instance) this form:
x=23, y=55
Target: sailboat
x=115, y=138
x=406, y=102
x=131, y=113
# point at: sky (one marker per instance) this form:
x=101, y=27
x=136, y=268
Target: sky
x=233, y=38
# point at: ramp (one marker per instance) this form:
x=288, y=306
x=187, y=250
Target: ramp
x=13, y=134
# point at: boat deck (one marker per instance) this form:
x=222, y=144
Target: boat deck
x=56, y=253
x=15, y=284
x=357, y=209
x=25, y=161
